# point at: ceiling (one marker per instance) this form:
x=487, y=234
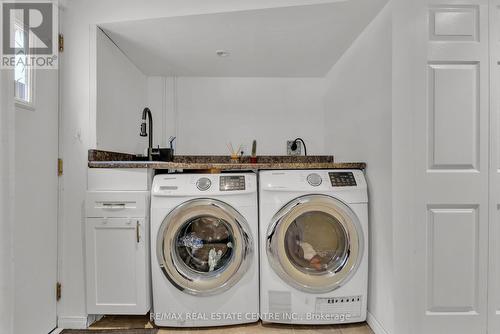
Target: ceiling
x=296, y=41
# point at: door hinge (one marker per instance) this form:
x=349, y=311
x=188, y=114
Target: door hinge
x=58, y=291
x=61, y=43
x=59, y=167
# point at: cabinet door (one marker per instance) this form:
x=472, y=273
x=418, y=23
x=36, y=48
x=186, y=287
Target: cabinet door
x=117, y=266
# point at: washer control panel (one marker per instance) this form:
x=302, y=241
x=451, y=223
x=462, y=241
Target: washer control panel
x=342, y=179
x=229, y=183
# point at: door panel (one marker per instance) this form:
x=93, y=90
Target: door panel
x=35, y=230
x=451, y=141
x=114, y=251
x=453, y=23
x=453, y=258
x=453, y=115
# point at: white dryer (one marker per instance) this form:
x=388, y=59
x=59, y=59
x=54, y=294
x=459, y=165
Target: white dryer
x=313, y=246
x=204, y=232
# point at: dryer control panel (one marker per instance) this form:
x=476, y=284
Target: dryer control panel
x=230, y=182
x=342, y=179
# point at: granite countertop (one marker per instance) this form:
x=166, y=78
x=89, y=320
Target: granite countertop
x=107, y=159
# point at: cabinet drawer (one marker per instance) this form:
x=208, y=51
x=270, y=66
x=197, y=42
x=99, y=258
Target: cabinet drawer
x=117, y=204
x=114, y=179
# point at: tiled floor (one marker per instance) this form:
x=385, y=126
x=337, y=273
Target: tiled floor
x=123, y=322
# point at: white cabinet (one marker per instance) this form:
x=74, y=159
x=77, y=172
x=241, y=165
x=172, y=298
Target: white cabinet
x=117, y=266
x=118, y=278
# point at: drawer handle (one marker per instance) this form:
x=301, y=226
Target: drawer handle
x=114, y=206
x=166, y=188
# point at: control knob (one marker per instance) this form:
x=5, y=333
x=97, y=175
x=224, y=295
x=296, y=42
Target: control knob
x=314, y=179
x=203, y=183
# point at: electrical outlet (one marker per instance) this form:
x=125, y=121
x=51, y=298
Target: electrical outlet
x=289, y=150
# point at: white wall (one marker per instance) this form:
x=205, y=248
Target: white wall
x=120, y=99
x=404, y=34
x=223, y=109
x=78, y=119
x=358, y=128
x=161, y=101
x=207, y=113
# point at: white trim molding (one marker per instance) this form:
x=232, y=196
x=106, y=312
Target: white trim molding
x=375, y=324
x=73, y=322
x=57, y=330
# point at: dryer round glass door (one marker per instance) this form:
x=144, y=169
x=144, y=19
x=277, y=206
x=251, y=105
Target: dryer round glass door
x=315, y=243
x=204, y=246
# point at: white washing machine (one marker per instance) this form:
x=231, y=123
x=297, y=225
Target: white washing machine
x=204, y=232
x=313, y=246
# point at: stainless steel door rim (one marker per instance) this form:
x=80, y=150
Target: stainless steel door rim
x=315, y=243
x=217, y=279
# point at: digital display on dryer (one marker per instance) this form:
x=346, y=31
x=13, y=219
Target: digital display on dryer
x=230, y=183
x=342, y=179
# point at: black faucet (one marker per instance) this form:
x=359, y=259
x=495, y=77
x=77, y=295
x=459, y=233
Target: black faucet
x=147, y=112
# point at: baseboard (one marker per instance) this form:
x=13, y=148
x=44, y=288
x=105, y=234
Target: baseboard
x=375, y=324
x=72, y=322
x=57, y=331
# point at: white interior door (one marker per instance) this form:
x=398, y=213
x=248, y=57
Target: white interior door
x=35, y=227
x=452, y=148
x=494, y=231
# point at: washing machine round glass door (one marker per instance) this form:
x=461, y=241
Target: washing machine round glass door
x=315, y=243
x=204, y=246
